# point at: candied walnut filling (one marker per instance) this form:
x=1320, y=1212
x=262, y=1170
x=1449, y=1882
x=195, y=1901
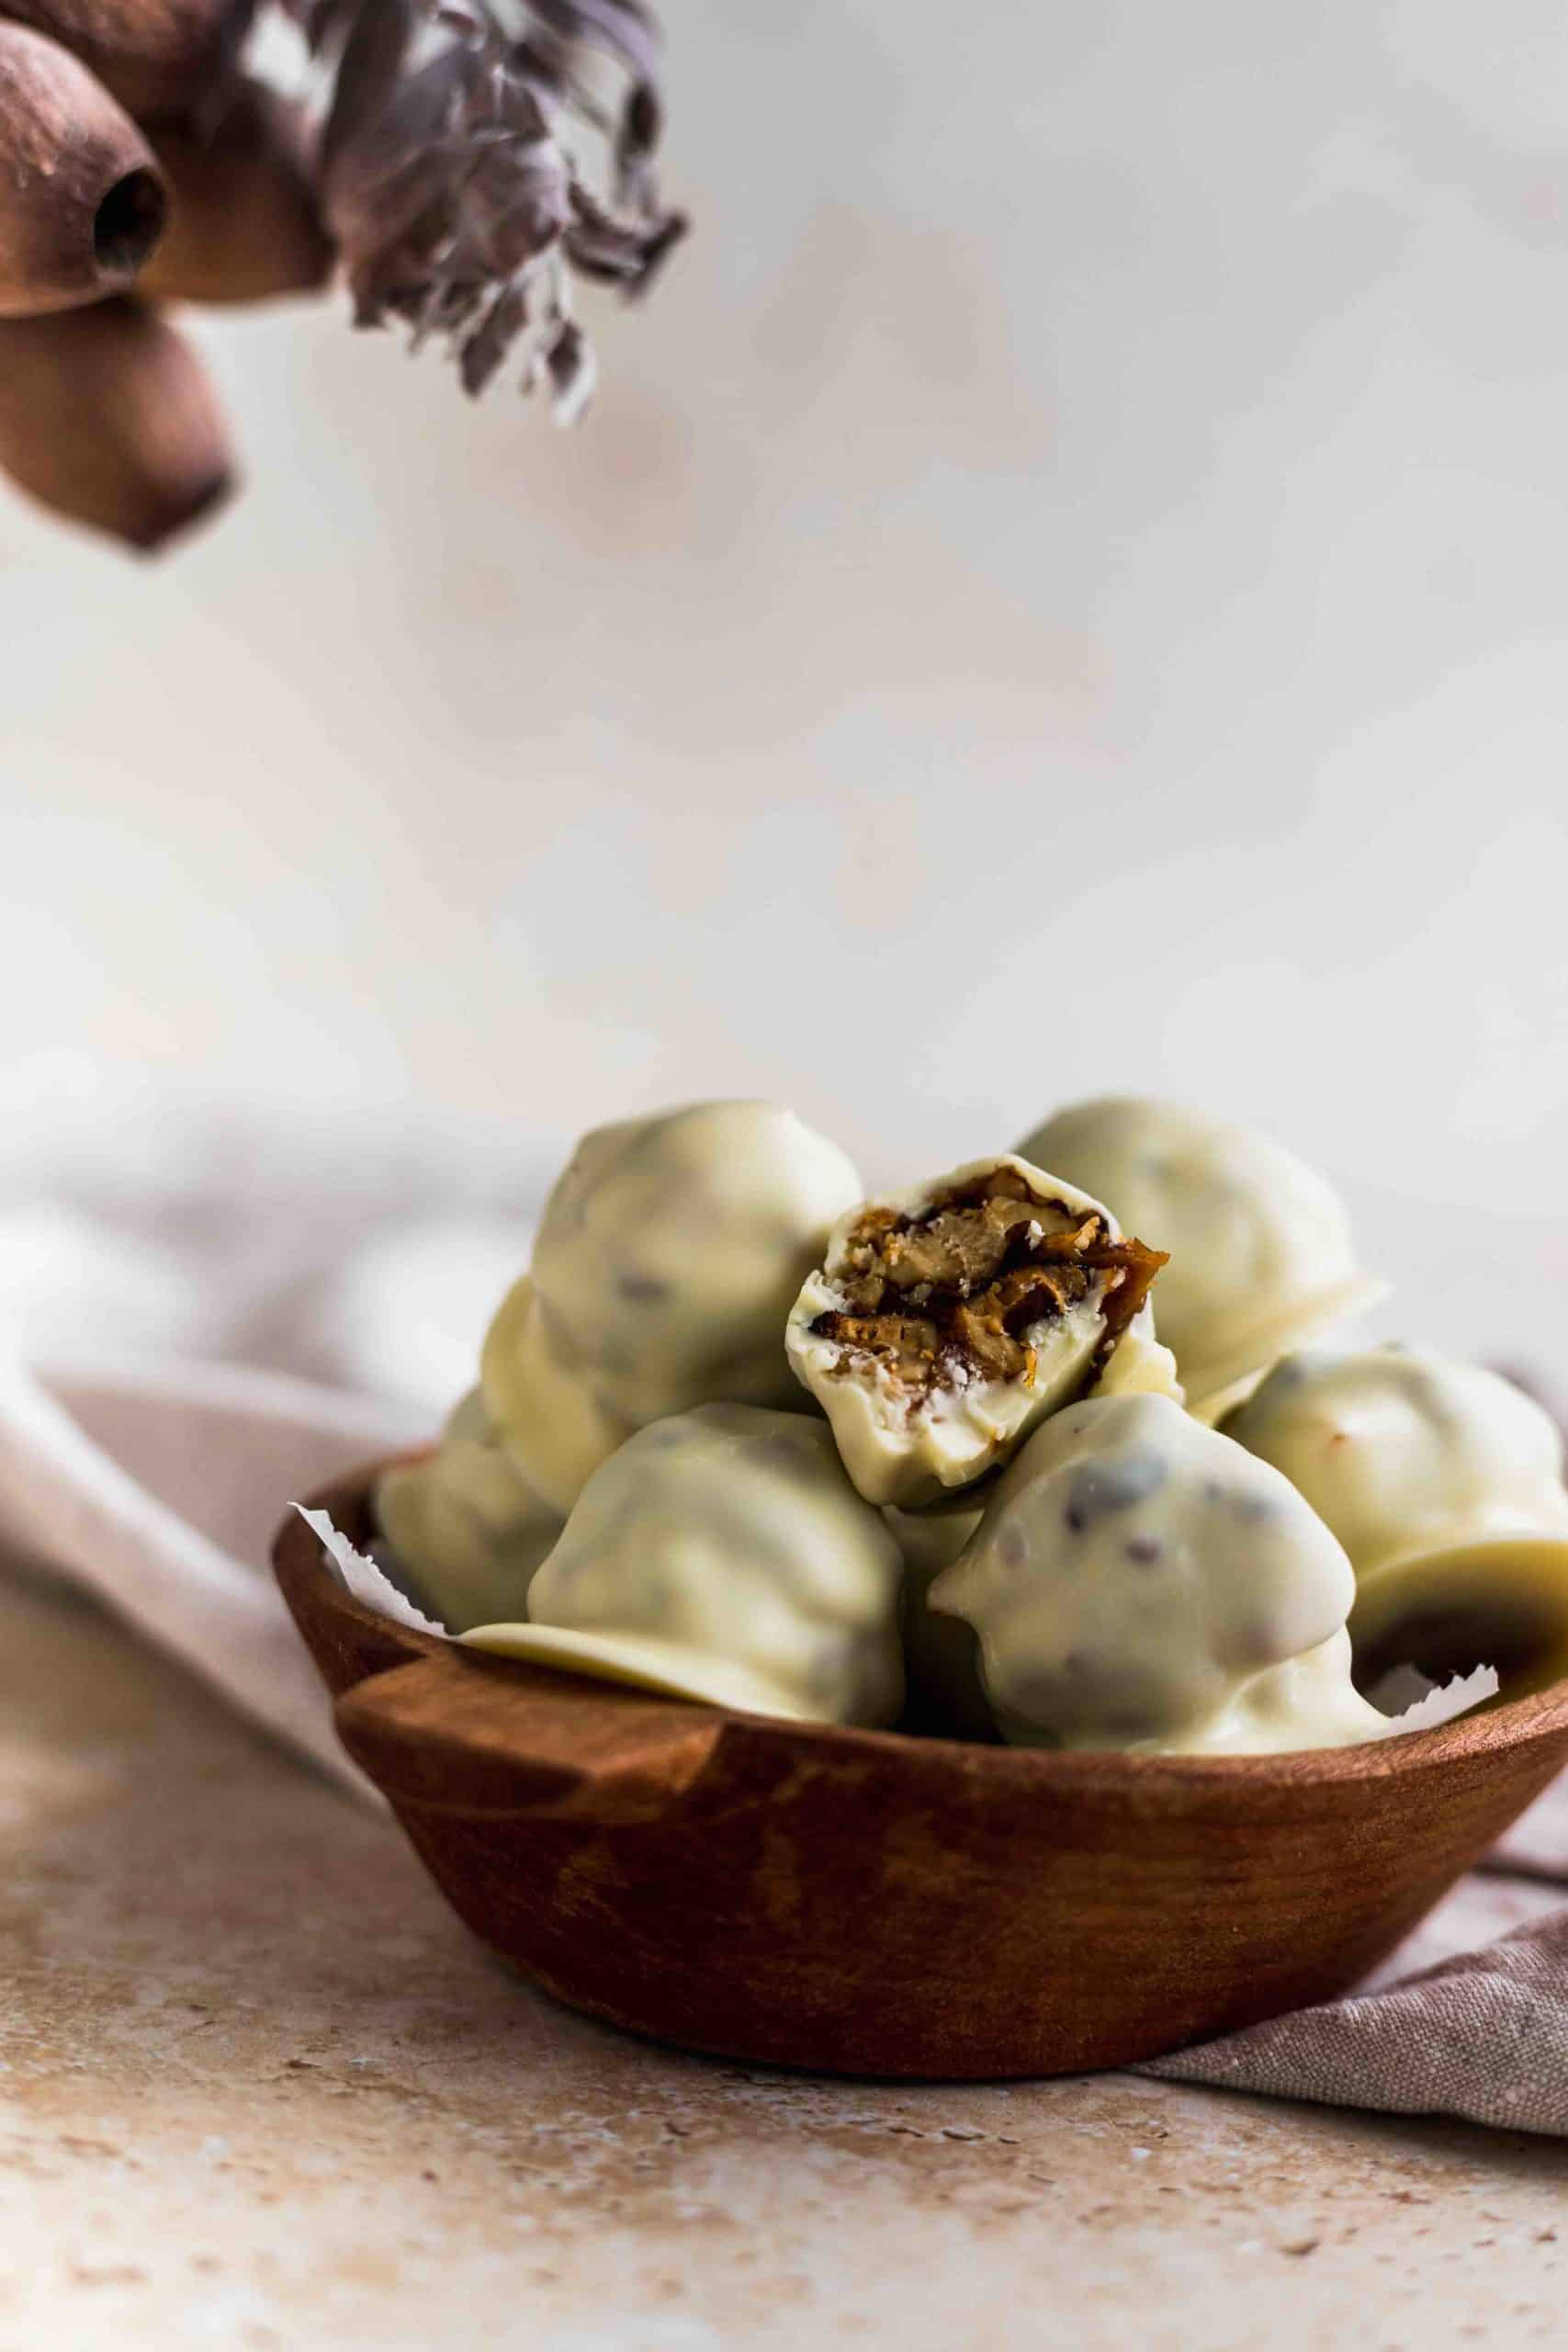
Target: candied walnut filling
x=952, y=1294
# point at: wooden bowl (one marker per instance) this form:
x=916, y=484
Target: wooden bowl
x=866, y=1902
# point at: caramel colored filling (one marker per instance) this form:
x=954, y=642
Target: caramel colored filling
x=952, y=1294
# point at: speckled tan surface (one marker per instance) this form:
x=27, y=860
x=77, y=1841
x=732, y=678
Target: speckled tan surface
x=257, y=2089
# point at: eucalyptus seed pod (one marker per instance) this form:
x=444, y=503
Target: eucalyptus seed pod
x=243, y=221
x=159, y=57
x=106, y=415
x=82, y=201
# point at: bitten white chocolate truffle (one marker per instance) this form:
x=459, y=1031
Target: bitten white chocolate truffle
x=1444, y=1483
x=1259, y=1243
x=723, y=1554
x=465, y=1526
x=665, y=1264
x=943, y=1324
x=1138, y=1581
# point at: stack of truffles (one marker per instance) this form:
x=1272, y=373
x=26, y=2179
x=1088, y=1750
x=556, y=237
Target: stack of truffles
x=1037, y=1452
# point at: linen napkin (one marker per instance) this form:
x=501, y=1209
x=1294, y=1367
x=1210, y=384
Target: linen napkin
x=1482, y=2033
x=158, y=1486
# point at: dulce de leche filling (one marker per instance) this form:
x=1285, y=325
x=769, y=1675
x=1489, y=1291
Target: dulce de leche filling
x=950, y=1296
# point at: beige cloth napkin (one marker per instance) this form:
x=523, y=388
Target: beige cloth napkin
x=1469, y=2018
x=158, y=1486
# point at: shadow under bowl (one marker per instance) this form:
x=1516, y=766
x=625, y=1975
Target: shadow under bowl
x=867, y=1903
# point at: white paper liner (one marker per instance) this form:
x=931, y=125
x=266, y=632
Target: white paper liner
x=364, y=1580
x=1429, y=1703
x=1438, y=1702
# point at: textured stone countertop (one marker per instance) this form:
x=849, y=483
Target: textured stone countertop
x=257, y=2088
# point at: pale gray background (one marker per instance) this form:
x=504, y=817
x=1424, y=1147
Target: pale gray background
x=1065, y=585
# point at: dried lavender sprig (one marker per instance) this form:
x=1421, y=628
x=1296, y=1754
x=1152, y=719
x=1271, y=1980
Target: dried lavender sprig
x=457, y=206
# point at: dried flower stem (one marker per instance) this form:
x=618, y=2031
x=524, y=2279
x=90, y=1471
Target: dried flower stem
x=456, y=202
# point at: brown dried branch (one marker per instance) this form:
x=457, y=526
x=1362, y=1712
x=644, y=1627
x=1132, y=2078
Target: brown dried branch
x=451, y=188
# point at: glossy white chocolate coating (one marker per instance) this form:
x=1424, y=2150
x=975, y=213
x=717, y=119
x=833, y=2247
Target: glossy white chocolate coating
x=722, y=1554
x=1308, y=1701
x=666, y=1261
x=672, y=1247
x=906, y=1445
x=1404, y=1451
x=1139, y=1581
x=1140, y=1365
x=545, y=1410
x=1444, y=1483
x=1260, y=1249
x=464, y=1525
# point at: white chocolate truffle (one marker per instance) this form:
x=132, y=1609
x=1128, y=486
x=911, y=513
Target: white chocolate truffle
x=666, y=1261
x=723, y=1554
x=672, y=1247
x=1138, y=1581
x=1259, y=1243
x=545, y=1410
x=1444, y=1483
x=464, y=1524
x=945, y=1323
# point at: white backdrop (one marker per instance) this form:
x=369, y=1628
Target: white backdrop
x=1065, y=586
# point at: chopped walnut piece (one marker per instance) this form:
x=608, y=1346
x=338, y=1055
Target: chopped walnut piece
x=951, y=1293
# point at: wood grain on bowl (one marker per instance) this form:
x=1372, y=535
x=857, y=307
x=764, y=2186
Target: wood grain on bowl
x=866, y=1902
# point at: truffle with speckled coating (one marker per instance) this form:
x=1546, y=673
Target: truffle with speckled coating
x=723, y=1554
x=1444, y=1483
x=1260, y=1248
x=463, y=1523
x=665, y=1264
x=1139, y=1581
